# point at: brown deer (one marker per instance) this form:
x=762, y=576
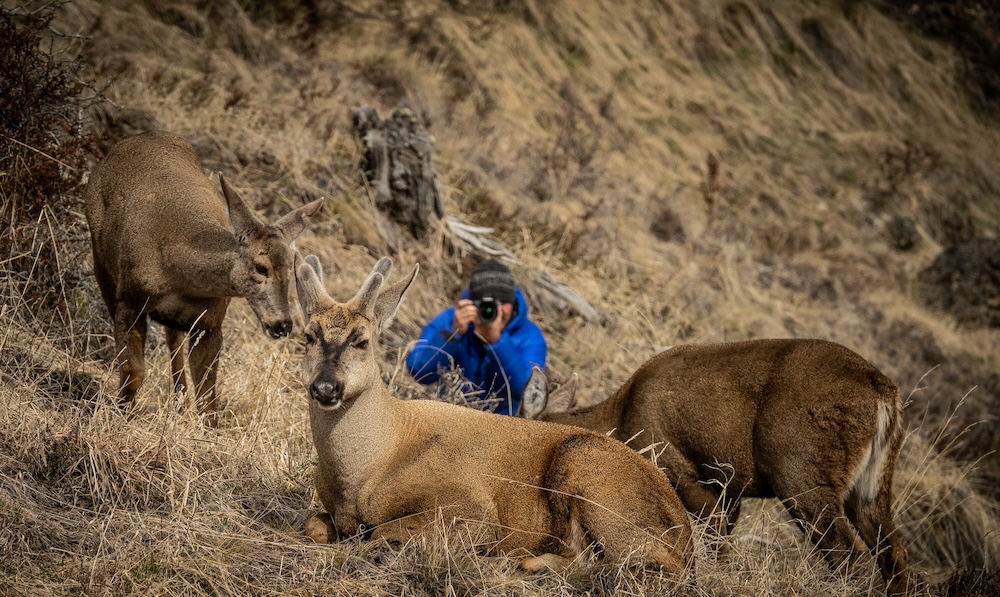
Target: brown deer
x=168, y=247
x=392, y=467
x=806, y=421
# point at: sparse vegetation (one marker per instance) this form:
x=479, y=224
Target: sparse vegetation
x=581, y=130
x=43, y=151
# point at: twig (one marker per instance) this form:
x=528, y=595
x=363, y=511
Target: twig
x=40, y=152
x=557, y=293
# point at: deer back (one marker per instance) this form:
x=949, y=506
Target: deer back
x=720, y=403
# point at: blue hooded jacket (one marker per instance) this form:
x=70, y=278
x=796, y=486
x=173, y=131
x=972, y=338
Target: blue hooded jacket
x=501, y=368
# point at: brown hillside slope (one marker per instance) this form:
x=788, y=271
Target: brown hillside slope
x=583, y=133
x=586, y=133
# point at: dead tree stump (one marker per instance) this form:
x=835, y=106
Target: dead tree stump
x=397, y=165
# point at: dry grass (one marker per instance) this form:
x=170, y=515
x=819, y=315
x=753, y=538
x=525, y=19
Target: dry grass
x=97, y=502
x=573, y=128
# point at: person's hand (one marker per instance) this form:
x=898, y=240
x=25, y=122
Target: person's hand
x=465, y=313
x=490, y=332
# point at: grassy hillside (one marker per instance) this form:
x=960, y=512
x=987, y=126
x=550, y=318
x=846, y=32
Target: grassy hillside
x=697, y=171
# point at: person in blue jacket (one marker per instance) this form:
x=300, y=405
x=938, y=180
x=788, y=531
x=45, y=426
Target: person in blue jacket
x=488, y=335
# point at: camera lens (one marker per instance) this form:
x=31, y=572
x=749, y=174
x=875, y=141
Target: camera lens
x=487, y=313
x=487, y=309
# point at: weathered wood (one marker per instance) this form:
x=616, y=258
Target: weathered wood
x=548, y=291
x=397, y=164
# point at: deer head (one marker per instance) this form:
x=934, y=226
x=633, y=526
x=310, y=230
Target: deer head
x=262, y=270
x=340, y=361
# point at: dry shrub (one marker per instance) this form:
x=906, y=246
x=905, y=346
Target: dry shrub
x=93, y=501
x=153, y=502
x=973, y=27
x=970, y=582
x=43, y=151
x=964, y=281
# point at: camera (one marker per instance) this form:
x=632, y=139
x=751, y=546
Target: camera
x=488, y=308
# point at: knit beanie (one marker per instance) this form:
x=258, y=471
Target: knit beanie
x=494, y=279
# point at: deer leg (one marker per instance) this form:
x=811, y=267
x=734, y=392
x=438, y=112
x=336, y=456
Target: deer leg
x=203, y=355
x=707, y=503
x=545, y=561
x=471, y=524
x=645, y=525
x=822, y=517
x=873, y=519
x=175, y=342
x=815, y=496
x=130, y=340
x=402, y=529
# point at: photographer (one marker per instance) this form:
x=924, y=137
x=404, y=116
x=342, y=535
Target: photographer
x=487, y=334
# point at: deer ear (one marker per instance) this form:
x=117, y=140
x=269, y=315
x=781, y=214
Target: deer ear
x=242, y=219
x=563, y=399
x=384, y=266
x=314, y=263
x=388, y=301
x=568, y=391
x=294, y=222
x=535, y=394
x=309, y=286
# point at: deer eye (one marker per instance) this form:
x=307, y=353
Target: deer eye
x=262, y=270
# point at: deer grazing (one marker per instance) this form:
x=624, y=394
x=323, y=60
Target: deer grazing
x=169, y=248
x=809, y=422
x=393, y=467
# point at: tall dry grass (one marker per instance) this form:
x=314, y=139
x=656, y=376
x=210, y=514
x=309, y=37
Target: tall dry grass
x=582, y=132
x=95, y=501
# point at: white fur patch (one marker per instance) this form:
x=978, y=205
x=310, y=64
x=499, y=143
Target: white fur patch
x=866, y=478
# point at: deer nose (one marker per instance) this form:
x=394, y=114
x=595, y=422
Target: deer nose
x=326, y=392
x=280, y=329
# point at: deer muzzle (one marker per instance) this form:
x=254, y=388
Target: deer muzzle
x=279, y=329
x=327, y=393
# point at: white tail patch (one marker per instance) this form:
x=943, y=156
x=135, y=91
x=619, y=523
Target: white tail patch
x=866, y=480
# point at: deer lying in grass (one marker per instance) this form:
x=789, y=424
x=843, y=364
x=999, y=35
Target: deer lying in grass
x=168, y=247
x=806, y=421
x=387, y=465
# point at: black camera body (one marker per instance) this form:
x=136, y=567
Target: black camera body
x=488, y=308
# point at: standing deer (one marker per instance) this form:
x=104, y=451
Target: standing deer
x=388, y=466
x=806, y=421
x=168, y=247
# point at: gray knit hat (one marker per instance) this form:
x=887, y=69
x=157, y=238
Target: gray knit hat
x=494, y=279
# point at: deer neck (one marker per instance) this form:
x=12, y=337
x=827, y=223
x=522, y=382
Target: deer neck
x=601, y=417
x=355, y=439
x=206, y=264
